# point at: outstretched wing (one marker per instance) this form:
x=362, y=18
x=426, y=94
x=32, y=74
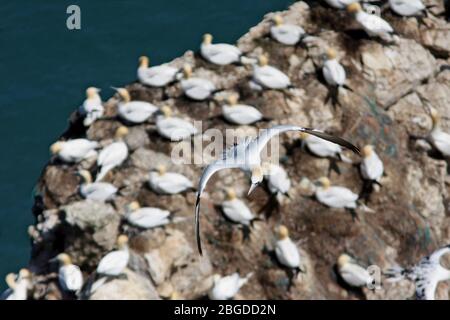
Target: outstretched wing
x=207, y=174
x=435, y=257
x=261, y=141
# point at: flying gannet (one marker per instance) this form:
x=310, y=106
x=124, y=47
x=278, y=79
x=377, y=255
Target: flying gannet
x=426, y=274
x=219, y=53
x=246, y=156
x=158, y=76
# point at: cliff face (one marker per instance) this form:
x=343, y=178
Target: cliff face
x=391, y=88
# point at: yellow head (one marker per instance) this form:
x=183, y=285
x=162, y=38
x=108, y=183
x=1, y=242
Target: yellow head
x=207, y=38
x=263, y=60
x=304, y=135
x=232, y=99
x=331, y=54
x=367, y=151
x=231, y=194
x=256, y=178
x=343, y=260
x=124, y=94
x=354, y=7
x=187, y=71
x=122, y=241
x=24, y=273
x=282, y=232
x=324, y=182
x=56, y=147
x=121, y=132
x=435, y=117
x=174, y=295
x=92, y=92
x=167, y=112
x=64, y=259
x=85, y=175
x=10, y=280
x=144, y=62
x=278, y=20
x=133, y=206
x=162, y=169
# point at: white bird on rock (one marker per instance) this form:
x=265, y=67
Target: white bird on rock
x=99, y=191
x=17, y=288
x=146, y=217
x=163, y=182
x=74, y=150
x=196, y=88
x=286, y=251
x=113, y=155
x=240, y=113
x=134, y=111
x=246, y=156
x=352, y=273
x=236, y=210
x=323, y=148
x=426, y=274
x=219, y=53
x=158, y=76
x=335, y=196
x=339, y=4
x=277, y=179
x=407, y=8
x=438, y=138
x=333, y=71
x=374, y=25
x=69, y=275
x=225, y=288
x=173, y=128
x=372, y=167
x=269, y=77
x=287, y=34
x=115, y=262
x=92, y=108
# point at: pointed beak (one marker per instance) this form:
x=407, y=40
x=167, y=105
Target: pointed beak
x=115, y=88
x=252, y=187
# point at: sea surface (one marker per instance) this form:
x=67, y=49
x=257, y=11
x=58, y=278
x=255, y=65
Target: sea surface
x=45, y=69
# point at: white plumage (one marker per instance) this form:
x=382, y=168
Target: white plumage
x=69, y=275
x=286, y=250
x=112, y=155
x=136, y=111
x=335, y=196
x=92, y=108
x=157, y=76
x=225, y=288
x=277, y=179
x=74, y=150
x=438, y=138
x=116, y=261
x=147, y=217
x=352, y=273
x=196, y=88
x=371, y=23
x=163, y=182
x=333, y=71
x=268, y=76
x=287, y=34
x=220, y=53
x=339, y=4
x=372, y=167
x=173, y=128
x=321, y=147
x=18, y=288
x=406, y=8
x=236, y=210
x=240, y=113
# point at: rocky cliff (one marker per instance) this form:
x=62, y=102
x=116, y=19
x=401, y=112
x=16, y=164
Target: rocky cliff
x=392, y=87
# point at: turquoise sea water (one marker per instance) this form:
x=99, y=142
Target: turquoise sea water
x=45, y=68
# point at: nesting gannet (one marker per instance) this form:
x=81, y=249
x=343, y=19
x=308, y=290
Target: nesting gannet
x=322, y=148
x=116, y=261
x=163, y=182
x=335, y=196
x=333, y=71
x=219, y=53
x=173, y=128
x=17, y=288
x=236, y=210
x=407, y=8
x=92, y=108
x=196, y=88
x=287, y=34
x=74, y=150
x=269, y=77
x=112, y=155
x=134, y=111
x=246, y=156
x=352, y=273
x=438, y=138
x=225, y=288
x=371, y=166
x=146, y=217
x=426, y=274
x=157, y=76
x=240, y=113
x=100, y=191
x=277, y=179
x=286, y=250
x=339, y=4
x=69, y=275
x=371, y=23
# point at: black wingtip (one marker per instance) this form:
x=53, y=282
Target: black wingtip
x=197, y=225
